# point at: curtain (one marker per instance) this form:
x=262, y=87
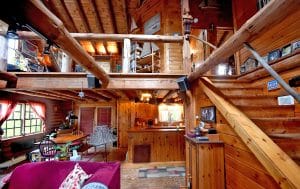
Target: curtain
x=7, y=107
x=40, y=110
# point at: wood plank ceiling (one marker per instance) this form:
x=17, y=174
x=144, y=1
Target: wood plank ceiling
x=95, y=16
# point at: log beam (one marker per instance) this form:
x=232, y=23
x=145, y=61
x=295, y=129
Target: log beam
x=40, y=18
x=271, y=14
x=62, y=81
x=11, y=79
x=108, y=37
x=281, y=167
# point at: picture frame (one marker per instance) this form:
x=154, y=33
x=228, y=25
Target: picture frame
x=208, y=114
x=262, y=3
x=286, y=50
x=295, y=45
x=274, y=55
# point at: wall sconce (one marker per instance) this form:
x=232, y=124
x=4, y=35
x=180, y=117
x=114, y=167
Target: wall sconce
x=187, y=22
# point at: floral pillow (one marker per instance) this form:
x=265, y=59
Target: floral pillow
x=75, y=178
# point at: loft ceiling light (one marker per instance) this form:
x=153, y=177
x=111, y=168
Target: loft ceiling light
x=145, y=97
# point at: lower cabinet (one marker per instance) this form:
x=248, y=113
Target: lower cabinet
x=204, y=164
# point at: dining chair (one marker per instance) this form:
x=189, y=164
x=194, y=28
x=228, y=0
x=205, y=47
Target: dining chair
x=101, y=136
x=47, y=149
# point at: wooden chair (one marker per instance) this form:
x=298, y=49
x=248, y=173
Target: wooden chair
x=47, y=149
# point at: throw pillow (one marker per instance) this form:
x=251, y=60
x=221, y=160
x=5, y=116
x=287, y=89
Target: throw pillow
x=75, y=178
x=95, y=185
x=5, y=180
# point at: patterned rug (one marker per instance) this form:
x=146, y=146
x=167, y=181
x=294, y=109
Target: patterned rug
x=156, y=172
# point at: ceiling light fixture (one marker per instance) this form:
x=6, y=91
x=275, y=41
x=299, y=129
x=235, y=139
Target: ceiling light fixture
x=81, y=93
x=145, y=97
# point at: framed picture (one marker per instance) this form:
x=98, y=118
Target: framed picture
x=296, y=45
x=273, y=55
x=208, y=114
x=250, y=64
x=286, y=50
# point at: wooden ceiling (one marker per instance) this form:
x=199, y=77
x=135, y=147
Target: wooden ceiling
x=95, y=16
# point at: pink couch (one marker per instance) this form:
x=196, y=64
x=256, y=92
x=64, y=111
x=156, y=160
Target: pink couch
x=50, y=174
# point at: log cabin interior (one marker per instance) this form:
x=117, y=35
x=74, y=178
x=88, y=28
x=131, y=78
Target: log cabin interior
x=213, y=83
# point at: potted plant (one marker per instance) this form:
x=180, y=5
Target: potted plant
x=63, y=151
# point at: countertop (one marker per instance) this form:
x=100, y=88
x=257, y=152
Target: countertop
x=194, y=140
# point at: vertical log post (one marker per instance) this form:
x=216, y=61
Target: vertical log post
x=66, y=63
x=126, y=56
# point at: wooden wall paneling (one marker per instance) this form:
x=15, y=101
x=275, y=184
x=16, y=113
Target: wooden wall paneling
x=234, y=179
x=242, y=11
x=261, y=178
x=124, y=121
x=280, y=35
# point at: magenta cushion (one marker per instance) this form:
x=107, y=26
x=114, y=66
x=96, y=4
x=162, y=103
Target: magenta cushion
x=101, y=175
x=50, y=174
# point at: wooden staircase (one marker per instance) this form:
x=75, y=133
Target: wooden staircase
x=278, y=122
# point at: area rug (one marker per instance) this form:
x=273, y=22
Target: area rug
x=156, y=172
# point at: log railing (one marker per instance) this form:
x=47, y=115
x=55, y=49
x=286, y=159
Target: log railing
x=281, y=167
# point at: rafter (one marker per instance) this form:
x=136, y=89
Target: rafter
x=169, y=95
x=36, y=95
x=108, y=94
x=119, y=13
x=77, y=16
x=86, y=95
x=97, y=95
x=71, y=96
x=59, y=9
x=50, y=94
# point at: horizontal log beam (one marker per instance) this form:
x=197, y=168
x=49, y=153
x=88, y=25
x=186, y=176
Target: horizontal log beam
x=63, y=81
x=45, y=22
x=266, y=18
x=280, y=166
x=108, y=37
x=11, y=79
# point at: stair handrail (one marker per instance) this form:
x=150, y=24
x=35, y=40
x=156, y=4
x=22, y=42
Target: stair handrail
x=280, y=166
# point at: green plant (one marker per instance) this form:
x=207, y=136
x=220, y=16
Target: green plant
x=63, y=150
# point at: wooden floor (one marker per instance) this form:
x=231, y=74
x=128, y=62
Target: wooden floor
x=129, y=171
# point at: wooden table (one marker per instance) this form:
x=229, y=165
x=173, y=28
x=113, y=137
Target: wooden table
x=63, y=139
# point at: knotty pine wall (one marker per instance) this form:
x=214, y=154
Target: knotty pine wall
x=171, y=23
x=127, y=111
x=124, y=113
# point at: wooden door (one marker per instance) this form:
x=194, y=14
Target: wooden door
x=104, y=116
x=87, y=119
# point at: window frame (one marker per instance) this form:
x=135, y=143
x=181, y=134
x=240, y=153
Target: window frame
x=25, y=109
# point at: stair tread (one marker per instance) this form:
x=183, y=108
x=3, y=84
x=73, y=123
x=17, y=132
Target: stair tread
x=276, y=118
x=285, y=136
x=251, y=96
x=265, y=106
